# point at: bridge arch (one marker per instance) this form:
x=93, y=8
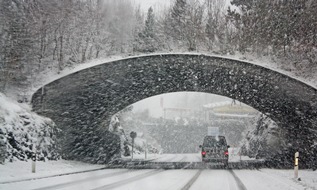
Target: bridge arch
x=91, y=96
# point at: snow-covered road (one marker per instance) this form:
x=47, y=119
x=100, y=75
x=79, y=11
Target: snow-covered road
x=161, y=179
x=98, y=178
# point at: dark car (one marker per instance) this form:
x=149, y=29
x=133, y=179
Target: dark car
x=215, y=149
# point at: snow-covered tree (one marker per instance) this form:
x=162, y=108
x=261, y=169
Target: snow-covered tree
x=146, y=40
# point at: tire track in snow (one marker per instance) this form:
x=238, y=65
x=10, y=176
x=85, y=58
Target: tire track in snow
x=191, y=181
x=61, y=185
x=129, y=180
x=239, y=183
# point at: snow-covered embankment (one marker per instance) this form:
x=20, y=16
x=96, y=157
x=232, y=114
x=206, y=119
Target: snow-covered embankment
x=23, y=131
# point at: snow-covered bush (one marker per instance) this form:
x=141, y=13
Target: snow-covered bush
x=264, y=140
x=23, y=132
x=268, y=141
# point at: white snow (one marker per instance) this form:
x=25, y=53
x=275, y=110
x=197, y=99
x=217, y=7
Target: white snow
x=27, y=128
x=218, y=104
x=141, y=156
x=169, y=179
x=262, y=179
x=235, y=115
x=20, y=170
x=7, y=106
x=308, y=178
x=235, y=156
x=216, y=180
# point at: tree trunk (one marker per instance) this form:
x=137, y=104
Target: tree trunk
x=56, y=46
x=90, y=52
x=61, y=55
x=42, y=45
x=97, y=51
x=83, y=55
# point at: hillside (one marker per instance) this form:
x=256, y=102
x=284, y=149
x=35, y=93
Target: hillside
x=22, y=132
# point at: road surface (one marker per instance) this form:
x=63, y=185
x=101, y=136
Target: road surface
x=160, y=179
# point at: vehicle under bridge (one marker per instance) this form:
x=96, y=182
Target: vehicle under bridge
x=82, y=103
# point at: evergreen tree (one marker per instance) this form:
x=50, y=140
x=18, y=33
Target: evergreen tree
x=193, y=31
x=137, y=31
x=215, y=30
x=149, y=36
x=147, y=40
x=149, y=24
x=177, y=22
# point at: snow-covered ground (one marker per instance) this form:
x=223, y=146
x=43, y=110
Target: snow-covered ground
x=308, y=178
x=235, y=156
x=19, y=170
x=141, y=156
x=23, y=132
x=264, y=179
x=148, y=179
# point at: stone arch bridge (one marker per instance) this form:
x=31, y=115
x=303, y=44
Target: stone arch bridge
x=82, y=102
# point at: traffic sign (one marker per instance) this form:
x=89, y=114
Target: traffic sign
x=133, y=134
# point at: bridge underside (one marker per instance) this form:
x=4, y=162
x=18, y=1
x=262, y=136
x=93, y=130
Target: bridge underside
x=82, y=103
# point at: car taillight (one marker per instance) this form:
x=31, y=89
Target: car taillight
x=226, y=153
x=203, y=153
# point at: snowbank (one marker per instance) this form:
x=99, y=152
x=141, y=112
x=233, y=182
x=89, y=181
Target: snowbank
x=22, y=132
x=22, y=170
x=307, y=177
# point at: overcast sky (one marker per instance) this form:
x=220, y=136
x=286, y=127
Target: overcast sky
x=156, y=4
x=189, y=100
x=160, y=4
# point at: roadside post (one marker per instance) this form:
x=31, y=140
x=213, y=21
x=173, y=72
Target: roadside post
x=239, y=153
x=33, y=157
x=132, y=135
x=296, y=165
x=145, y=150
